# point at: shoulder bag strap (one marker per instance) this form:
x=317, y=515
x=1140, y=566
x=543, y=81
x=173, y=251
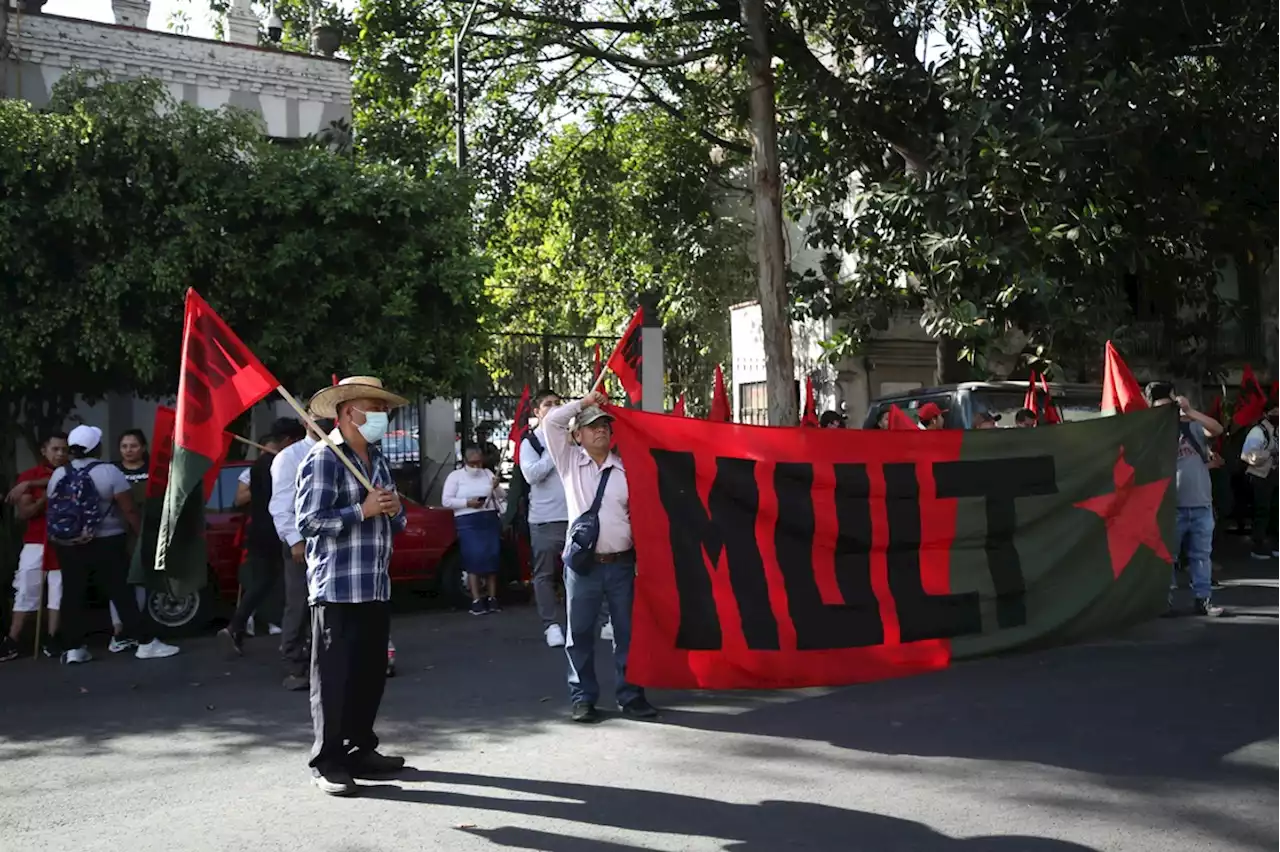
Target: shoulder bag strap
x=604, y=480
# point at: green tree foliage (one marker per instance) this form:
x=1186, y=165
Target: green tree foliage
x=614, y=208
x=116, y=199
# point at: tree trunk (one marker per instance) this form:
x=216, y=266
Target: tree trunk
x=948, y=369
x=775, y=316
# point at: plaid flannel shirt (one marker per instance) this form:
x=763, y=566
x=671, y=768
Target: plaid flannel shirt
x=348, y=556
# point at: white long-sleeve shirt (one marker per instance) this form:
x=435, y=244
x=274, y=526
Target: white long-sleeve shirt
x=284, y=485
x=581, y=476
x=546, y=492
x=1259, y=450
x=467, y=483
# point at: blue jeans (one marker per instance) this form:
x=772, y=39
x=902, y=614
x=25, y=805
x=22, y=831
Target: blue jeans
x=612, y=583
x=1195, y=543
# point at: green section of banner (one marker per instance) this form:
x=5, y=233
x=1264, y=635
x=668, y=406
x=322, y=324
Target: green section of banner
x=1082, y=575
x=173, y=530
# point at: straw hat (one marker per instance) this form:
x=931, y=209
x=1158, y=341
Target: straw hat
x=325, y=403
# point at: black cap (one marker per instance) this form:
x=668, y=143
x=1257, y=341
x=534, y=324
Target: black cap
x=286, y=428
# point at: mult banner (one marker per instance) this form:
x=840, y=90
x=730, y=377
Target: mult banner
x=771, y=558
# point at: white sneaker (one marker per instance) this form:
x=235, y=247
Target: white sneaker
x=119, y=645
x=606, y=632
x=248, y=627
x=155, y=649
x=555, y=636
x=76, y=655
x=274, y=630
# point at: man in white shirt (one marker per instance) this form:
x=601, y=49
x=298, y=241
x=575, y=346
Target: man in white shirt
x=1259, y=455
x=578, y=437
x=548, y=516
x=297, y=613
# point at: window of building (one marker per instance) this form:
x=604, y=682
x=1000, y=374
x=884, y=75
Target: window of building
x=753, y=403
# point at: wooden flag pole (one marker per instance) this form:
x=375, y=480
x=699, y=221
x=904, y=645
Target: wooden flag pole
x=250, y=443
x=322, y=436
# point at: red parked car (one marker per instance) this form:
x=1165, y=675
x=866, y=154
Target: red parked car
x=425, y=558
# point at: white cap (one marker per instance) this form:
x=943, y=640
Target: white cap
x=85, y=436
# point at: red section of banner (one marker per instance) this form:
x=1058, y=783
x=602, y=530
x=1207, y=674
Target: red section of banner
x=162, y=454
x=720, y=408
x=691, y=479
x=626, y=358
x=520, y=424
x=220, y=380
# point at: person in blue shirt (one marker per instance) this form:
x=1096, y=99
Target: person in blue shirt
x=347, y=530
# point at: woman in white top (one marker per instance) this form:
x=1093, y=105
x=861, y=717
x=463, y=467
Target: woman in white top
x=470, y=492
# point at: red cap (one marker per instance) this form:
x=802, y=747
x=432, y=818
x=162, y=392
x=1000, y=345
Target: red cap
x=928, y=411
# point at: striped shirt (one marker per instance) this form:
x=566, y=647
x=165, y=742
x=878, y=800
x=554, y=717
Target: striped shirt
x=348, y=556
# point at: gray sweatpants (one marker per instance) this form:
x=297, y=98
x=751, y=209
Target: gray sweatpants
x=547, y=541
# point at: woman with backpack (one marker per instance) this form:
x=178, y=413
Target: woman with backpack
x=90, y=510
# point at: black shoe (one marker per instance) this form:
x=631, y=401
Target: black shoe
x=8, y=650
x=639, y=708
x=232, y=642
x=1203, y=607
x=491, y=604
x=296, y=683
x=479, y=608
x=1215, y=583
x=584, y=712
x=370, y=764
x=335, y=782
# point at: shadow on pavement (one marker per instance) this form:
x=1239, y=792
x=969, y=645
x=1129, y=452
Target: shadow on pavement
x=765, y=827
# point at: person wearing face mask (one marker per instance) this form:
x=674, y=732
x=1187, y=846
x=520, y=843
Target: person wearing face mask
x=348, y=531
x=469, y=492
x=1259, y=453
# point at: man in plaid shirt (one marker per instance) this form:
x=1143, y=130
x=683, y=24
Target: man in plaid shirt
x=348, y=531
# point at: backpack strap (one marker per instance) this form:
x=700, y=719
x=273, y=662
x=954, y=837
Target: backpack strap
x=532, y=438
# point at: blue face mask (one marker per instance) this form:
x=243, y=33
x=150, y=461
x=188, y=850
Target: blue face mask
x=374, y=426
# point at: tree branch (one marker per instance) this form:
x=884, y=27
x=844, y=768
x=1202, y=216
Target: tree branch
x=720, y=13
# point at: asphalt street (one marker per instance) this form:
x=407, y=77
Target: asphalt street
x=1161, y=739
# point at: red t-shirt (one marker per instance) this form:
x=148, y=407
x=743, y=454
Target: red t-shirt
x=35, y=532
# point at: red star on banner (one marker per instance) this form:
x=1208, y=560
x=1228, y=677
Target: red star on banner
x=1130, y=515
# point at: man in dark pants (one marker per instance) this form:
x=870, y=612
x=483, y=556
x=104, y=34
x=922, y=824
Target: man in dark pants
x=266, y=560
x=1259, y=456
x=296, y=623
x=348, y=531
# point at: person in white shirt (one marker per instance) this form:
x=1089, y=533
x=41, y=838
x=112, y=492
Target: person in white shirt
x=579, y=436
x=1259, y=454
x=470, y=492
x=296, y=622
x=548, y=516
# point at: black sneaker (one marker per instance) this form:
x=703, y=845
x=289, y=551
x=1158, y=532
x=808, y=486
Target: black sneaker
x=492, y=605
x=584, y=712
x=479, y=608
x=370, y=764
x=638, y=708
x=232, y=643
x=335, y=782
x=296, y=683
x=1203, y=607
x=8, y=650
x=51, y=648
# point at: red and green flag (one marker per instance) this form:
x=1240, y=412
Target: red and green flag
x=220, y=379
x=778, y=558
x=520, y=424
x=810, y=417
x=899, y=421
x=720, y=409
x=626, y=358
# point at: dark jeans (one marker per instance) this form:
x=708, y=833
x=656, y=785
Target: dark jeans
x=264, y=570
x=104, y=561
x=1264, y=512
x=348, y=674
x=296, y=626
x=613, y=583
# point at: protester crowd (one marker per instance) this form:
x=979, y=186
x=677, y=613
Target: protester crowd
x=323, y=513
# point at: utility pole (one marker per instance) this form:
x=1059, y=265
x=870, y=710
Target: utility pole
x=771, y=261
x=460, y=116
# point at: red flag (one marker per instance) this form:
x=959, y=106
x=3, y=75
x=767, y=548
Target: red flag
x=625, y=360
x=220, y=379
x=677, y=410
x=335, y=380
x=1251, y=403
x=720, y=410
x=900, y=421
x=520, y=424
x=810, y=417
x=1029, y=402
x=1215, y=411
x=595, y=370
x=1120, y=391
x=1051, y=413
x=162, y=454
